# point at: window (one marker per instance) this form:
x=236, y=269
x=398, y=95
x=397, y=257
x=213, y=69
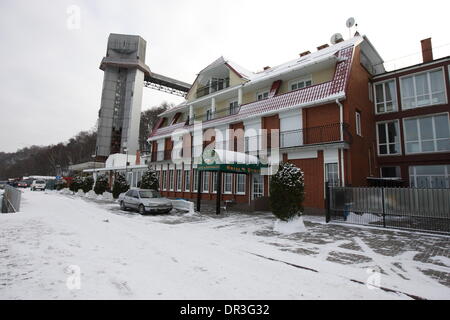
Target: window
x=179, y=176
x=427, y=134
x=332, y=173
x=240, y=183
x=164, y=180
x=300, y=83
x=187, y=180
x=214, y=182
x=171, y=180
x=386, y=97
x=390, y=172
x=195, y=182
x=430, y=176
x=388, y=138
x=358, y=123
x=234, y=107
x=205, y=182
x=258, y=186
x=209, y=114
x=262, y=95
x=227, y=183
x=423, y=89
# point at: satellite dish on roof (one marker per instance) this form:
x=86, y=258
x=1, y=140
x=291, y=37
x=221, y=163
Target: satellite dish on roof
x=350, y=22
x=336, y=38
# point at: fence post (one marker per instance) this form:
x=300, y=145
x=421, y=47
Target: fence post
x=327, y=202
x=384, y=209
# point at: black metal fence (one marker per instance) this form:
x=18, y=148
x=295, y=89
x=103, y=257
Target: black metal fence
x=401, y=208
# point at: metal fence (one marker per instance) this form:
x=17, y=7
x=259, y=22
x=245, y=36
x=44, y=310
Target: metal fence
x=11, y=199
x=402, y=208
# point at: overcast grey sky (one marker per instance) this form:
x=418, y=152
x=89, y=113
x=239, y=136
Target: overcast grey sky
x=50, y=83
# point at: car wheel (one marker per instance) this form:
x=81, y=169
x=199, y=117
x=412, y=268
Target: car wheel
x=141, y=209
x=122, y=206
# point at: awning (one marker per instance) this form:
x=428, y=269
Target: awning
x=230, y=162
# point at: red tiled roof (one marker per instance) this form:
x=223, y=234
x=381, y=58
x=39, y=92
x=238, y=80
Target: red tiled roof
x=286, y=100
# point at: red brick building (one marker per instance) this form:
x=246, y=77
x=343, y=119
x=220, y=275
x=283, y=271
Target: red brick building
x=323, y=110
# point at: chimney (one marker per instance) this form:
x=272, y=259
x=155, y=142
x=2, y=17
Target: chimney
x=322, y=47
x=304, y=53
x=138, y=157
x=427, y=50
x=266, y=68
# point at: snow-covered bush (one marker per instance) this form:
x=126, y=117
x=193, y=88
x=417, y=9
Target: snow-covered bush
x=76, y=184
x=88, y=183
x=120, y=185
x=101, y=185
x=149, y=180
x=287, y=192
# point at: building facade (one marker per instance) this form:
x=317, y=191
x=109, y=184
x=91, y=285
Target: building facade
x=315, y=111
x=412, y=122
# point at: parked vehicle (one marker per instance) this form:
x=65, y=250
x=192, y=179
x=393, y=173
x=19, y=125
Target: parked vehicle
x=3, y=184
x=22, y=184
x=38, y=185
x=145, y=201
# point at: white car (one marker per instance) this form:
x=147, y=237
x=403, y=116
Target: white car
x=145, y=201
x=38, y=185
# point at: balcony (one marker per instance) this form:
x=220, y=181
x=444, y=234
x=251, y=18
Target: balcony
x=315, y=135
x=214, y=86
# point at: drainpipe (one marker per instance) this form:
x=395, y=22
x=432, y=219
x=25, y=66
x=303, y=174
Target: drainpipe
x=341, y=118
x=341, y=127
x=240, y=96
x=191, y=114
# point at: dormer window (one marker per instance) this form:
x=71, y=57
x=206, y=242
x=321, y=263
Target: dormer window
x=262, y=95
x=300, y=83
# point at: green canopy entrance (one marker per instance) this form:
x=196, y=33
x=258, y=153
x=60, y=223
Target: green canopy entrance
x=217, y=161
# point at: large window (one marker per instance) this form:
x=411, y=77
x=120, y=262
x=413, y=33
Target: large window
x=332, y=173
x=227, y=183
x=187, y=180
x=257, y=186
x=209, y=114
x=234, y=107
x=423, y=89
x=195, y=182
x=240, y=183
x=385, y=97
x=171, y=180
x=205, y=182
x=427, y=134
x=164, y=180
x=214, y=182
x=388, y=134
x=358, y=123
x=390, y=172
x=430, y=176
x=300, y=83
x=262, y=95
x=179, y=176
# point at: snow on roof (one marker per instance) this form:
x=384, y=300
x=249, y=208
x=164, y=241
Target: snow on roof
x=119, y=160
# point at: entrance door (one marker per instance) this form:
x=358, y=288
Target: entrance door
x=257, y=186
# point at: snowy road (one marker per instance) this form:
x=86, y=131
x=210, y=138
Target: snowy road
x=125, y=256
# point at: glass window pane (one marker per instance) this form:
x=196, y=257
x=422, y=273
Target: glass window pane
x=427, y=146
x=407, y=85
x=379, y=93
x=430, y=170
x=394, y=148
x=411, y=132
x=426, y=128
x=422, y=84
x=389, y=90
x=437, y=81
x=443, y=145
x=393, y=132
x=382, y=133
x=442, y=126
x=380, y=107
x=383, y=149
x=412, y=147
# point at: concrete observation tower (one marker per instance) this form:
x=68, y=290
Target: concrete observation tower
x=125, y=75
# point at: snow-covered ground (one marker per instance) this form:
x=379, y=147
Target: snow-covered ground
x=121, y=255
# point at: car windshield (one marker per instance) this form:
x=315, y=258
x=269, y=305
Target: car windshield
x=40, y=181
x=149, y=194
